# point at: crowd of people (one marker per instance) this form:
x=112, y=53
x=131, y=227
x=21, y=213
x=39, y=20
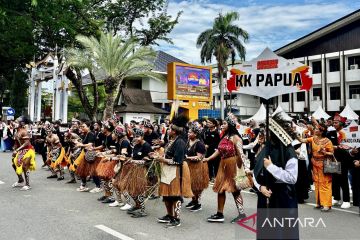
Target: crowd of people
x=177, y=159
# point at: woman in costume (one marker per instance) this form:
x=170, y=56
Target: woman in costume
x=175, y=180
x=321, y=149
x=24, y=160
x=230, y=150
x=199, y=173
x=57, y=157
x=276, y=173
x=135, y=181
x=75, y=154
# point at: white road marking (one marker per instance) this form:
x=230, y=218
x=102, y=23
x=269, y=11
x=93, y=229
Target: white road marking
x=336, y=209
x=113, y=232
x=1, y=182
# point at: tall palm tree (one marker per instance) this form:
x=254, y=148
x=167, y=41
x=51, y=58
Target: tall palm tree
x=118, y=59
x=222, y=41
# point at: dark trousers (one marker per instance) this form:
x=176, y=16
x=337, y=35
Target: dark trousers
x=356, y=186
x=213, y=167
x=340, y=181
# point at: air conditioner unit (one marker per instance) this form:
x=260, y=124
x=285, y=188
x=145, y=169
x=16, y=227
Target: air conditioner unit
x=355, y=96
x=317, y=98
x=354, y=66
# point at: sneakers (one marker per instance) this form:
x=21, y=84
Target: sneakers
x=102, y=198
x=125, y=207
x=139, y=214
x=335, y=202
x=61, y=178
x=52, y=176
x=325, y=209
x=72, y=181
x=17, y=184
x=345, y=205
x=132, y=210
x=196, y=208
x=173, y=223
x=218, y=217
x=82, y=189
x=108, y=200
x=25, y=188
x=164, y=219
x=190, y=204
x=238, y=218
x=44, y=166
x=116, y=204
x=96, y=190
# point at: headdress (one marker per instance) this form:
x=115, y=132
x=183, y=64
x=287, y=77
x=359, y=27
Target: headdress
x=339, y=118
x=282, y=129
x=119, y=131
x=179, y=123
x=48, y=128
x=147, y=124
x=195, y=129
x=230, y=121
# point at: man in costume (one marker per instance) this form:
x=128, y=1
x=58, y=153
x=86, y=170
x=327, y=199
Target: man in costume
x=276, y=173
x=24, y=159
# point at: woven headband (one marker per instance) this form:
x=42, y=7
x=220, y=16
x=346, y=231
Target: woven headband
x=280, y=132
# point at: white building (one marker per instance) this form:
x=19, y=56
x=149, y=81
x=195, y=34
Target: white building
x=333, y=53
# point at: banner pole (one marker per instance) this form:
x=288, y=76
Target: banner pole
x=267, y=130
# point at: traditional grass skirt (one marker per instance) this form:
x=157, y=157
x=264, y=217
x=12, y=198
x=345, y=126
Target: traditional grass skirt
x=24, y=160
x=199, y=174
x=225, y=178
x=60, y=161
x=105, y=169
x=82, y=166
x=134, y=180
x=74, y=163
x=94, y=165
x=174, y=189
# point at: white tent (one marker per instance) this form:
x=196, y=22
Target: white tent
x=283, y=113
x=260, y=115
x=349, y=113
x=320, y=113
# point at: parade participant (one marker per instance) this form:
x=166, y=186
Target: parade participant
x=321, y=149
x=135, y=183
x=211, y=140
x=355, y=157
x=74, y=153
x=149, y=134
x=24, y=159
x=106, y=145
x=199, y=172
x=175, y=180
x=49, y=141
x=122, y=148
x=57, y=157
x=84, y=167
x=302, y=185
x=275, y=173
x=230, y=150
x=340, y=181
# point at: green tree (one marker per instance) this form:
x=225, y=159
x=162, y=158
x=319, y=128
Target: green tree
x=118, y=60
x=222, y=41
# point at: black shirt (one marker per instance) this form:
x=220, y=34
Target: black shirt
x=176, y=151
x=123, y=144
x=197, y=147
x=99, y=138
x=212, y=139
x=141, y=151
x=88, y=138
x=149, y=138
x=108, y=142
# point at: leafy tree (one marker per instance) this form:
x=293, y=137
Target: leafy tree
x=118, y=59
x=222, y=41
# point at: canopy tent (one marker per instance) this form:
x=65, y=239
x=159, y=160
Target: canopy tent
x=320, y=113
x=349, y=113
x=260, y=115
x=284, y=115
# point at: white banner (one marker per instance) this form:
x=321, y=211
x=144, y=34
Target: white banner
x=352, y=135
x=269, y=75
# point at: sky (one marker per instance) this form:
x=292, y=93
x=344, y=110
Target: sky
x=269, y=23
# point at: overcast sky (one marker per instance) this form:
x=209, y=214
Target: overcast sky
x=269, y=23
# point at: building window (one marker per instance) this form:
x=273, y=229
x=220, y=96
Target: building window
x=300, y=96
x=354, y=60
x=316, y=67
x=334, y=65
x=317, y=93
x=285, y=98
x=334, y=93
x=354, y=89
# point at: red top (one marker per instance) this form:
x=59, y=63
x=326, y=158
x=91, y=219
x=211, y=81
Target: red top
x=226, y=148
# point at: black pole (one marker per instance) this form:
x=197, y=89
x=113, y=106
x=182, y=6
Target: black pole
x=267, y=130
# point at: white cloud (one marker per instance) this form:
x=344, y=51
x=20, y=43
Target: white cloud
x=268, y=25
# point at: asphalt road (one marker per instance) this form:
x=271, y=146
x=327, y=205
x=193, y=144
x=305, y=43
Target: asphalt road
x=53, y=210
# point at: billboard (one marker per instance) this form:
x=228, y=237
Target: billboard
x=189, y=82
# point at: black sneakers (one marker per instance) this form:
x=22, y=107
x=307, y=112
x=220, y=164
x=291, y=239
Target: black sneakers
x=190, y=204
x=218, y=217
x=132, y=210
x=174, y=222
x=195, y=208
x=164, y=219
x=61, y=178
x=72, y=181
x=102, y=198
x=139, y=214
x=52, y=176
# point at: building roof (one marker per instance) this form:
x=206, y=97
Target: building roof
x=137, y=101
x=346, y=20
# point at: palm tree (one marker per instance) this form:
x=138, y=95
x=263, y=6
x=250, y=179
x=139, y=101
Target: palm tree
x=118, y=59
x=222, y=41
